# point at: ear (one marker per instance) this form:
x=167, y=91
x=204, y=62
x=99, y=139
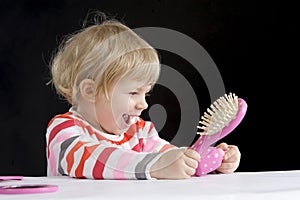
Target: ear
x=87, y=89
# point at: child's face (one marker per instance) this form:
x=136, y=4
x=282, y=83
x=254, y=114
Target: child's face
x=126, y=103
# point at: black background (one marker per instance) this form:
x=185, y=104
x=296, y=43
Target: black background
x=253, y=44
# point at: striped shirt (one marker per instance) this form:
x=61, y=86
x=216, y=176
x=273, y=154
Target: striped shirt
x=76, y=149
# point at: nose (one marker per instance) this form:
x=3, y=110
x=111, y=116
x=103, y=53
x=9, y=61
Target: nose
x=141, y=104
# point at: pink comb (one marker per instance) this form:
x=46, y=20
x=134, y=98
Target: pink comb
x=225, y=114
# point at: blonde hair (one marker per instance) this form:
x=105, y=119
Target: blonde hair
x=105, y=53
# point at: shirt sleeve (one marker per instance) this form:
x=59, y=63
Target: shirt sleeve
x=72, y=151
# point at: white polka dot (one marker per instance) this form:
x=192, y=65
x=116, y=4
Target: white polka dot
x=216, y=155
x=205, y=165
x=214, y=162
x=200, y=142
x=202, y=172
x=208, y=156
x=211, y=169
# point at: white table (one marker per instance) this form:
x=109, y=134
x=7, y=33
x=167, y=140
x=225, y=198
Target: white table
x=281, y=185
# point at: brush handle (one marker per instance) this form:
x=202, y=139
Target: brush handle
x=211, y=160
x=211, y=157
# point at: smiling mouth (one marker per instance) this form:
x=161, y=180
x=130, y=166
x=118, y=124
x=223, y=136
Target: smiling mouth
x=129, y=119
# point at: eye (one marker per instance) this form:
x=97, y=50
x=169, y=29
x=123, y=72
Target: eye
x=133, y=93
x=148, y=94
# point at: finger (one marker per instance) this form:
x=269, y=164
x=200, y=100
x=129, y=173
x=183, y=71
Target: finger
x=233, y=153
x=191, y=162
x=227, y=168
x=233, y=159
x=190, y=171
x=192, y=154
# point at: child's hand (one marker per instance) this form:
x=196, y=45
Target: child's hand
x=176, y=164
x=231, y=159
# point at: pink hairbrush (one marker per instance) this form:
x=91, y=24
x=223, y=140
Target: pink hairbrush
x=223, y=116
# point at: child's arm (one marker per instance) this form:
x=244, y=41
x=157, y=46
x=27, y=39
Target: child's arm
x=73, y=152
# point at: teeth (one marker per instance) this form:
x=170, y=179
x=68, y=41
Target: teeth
x=133, y=120
x=130, y=119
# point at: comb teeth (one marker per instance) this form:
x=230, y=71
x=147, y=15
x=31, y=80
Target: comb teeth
x=219, y=114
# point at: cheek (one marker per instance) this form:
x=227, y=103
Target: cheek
x=121, y=105
x=106, y=118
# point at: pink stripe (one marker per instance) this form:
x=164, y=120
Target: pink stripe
x=150, y=145
x=52, y=159
x=121, y=165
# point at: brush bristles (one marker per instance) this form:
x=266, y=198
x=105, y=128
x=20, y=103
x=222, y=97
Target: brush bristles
x=219, y=114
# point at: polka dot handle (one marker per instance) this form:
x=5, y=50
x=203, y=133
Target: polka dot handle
x=211, y=159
